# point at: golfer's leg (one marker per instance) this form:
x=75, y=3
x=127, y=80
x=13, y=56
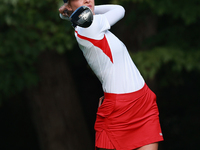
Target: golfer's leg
x=104, y=149
x=153, y=146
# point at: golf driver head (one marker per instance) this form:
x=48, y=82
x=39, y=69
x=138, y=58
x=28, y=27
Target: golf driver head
x=82, y=17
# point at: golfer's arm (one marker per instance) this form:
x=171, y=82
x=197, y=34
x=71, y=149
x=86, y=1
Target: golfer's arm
x=113, y=13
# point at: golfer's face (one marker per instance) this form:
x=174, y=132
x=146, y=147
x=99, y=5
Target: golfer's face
x=74, y=4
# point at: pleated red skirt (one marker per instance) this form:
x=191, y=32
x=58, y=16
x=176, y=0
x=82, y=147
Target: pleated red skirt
x=128, y=121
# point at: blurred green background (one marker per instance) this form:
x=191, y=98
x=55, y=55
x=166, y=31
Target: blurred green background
x=49, y=95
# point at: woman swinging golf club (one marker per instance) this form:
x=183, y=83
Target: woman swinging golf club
x=128, y=117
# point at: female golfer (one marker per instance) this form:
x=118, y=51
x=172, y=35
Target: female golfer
x=128, y=117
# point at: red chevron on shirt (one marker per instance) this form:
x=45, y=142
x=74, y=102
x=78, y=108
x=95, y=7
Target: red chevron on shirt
x=102, y=44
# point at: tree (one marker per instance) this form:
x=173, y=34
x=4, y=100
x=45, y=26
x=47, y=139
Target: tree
x=32, y=37
x=56, y=109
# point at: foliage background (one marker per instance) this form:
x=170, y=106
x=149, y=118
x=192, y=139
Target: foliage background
x=169, y=60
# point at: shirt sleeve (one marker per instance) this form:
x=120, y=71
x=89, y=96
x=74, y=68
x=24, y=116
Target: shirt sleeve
x=113, y=13
x=97, y=30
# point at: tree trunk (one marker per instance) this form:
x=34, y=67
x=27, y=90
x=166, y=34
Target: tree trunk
x=55, y=107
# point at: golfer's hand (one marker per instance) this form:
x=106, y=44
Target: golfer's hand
x=100, y=100
x=63, y=10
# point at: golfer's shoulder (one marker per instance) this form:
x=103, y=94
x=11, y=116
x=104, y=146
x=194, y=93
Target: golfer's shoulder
x=97, y=29
x=100, y=21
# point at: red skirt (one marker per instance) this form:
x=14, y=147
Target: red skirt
x=128, y=121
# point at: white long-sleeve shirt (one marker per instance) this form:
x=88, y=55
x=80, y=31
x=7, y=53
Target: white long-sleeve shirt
x=106, y=54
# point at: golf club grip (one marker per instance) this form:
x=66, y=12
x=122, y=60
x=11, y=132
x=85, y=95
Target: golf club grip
x=65, y=11
x=65, y=1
